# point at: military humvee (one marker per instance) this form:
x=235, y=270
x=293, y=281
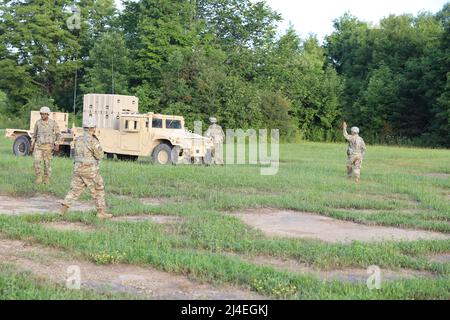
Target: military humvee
x=22, y=137
x=125, y=133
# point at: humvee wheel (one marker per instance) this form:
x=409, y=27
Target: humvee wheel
x=21, y=146
x=162, y=154
x=175, y=155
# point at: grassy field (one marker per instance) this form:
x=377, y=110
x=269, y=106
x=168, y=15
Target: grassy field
x=24, y=286
x=312, y=178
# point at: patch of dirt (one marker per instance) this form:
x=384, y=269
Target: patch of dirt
x=294, y=224
x=69, y=226
x=153, y=218
x=353, y=275
x=150, y=201
x=153, y=201
x=158, y=201
x=248, y=191
x=146, y=282
x=38, y=204
x=437, y=175
x=443, y=258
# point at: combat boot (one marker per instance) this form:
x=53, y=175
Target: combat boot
x=63, y=210
x=38, y=180
x=101, y=214
x=46, y=180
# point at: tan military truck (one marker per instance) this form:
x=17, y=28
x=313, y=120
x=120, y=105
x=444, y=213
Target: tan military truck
x=22, y=137
x=125, y=133
x=128, y=134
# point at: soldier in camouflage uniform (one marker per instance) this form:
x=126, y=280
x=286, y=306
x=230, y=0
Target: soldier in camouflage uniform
x=216, y=133
x=87, y=156
x=45, y=140
x=355, y=152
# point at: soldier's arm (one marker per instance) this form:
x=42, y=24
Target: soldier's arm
x=208, y=133
x=34, y=136
x=57, y=133
x=346, y=135
x=35, y=132
x=96, y=149
x=363, y=146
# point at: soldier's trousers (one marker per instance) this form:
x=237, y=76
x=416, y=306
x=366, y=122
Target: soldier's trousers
x=43, y=153
x=354, y=164
x=91, y=179
x=218, y=153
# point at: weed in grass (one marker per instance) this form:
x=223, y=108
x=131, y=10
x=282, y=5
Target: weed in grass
x=104, y=258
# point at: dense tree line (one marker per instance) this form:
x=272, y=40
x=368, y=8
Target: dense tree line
x=223, y=57
x=397, y=75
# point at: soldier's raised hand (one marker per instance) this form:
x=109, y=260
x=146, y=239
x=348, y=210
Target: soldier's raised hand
x=344, y=125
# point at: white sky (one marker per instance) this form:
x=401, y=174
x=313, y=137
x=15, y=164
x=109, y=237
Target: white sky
x=316, y=16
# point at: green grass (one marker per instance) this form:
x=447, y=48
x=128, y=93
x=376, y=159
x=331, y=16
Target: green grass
x=311, y=178
x=16, y=285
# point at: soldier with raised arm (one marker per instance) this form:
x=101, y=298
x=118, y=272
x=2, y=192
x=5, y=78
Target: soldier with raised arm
x=87, y=156
x=218, y=136
x=355, y=152
x=45, y=139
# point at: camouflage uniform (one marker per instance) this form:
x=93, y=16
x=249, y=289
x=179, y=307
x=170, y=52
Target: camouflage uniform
x=355, y=152
x=45, y=135
x=87, y=155
x=216, y=133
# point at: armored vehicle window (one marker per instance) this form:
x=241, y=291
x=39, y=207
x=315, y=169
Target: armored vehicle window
x=131, y=125
x=156, y=123
x=173, y=124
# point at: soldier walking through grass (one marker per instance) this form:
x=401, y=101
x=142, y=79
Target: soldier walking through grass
x=87, y=156
x=355, y=152
x=218, y=136
x=45, y=140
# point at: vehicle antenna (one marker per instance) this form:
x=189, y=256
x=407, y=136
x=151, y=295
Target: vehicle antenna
x=112, y=73
x=75, y=91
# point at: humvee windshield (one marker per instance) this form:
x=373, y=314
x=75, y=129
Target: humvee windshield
x=173, y=124
x=156, y=123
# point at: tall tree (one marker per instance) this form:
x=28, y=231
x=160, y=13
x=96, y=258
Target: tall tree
x=238, y=23
x=109, y=66
x=39, y=46
x=154, y=30
x=299, y=70
x=394, y=74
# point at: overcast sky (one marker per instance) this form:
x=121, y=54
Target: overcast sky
x=316, y=16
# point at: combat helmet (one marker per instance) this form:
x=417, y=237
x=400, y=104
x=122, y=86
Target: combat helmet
x=45, y=110
x=355, y=130
x=213, y=120
x=89, y=123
